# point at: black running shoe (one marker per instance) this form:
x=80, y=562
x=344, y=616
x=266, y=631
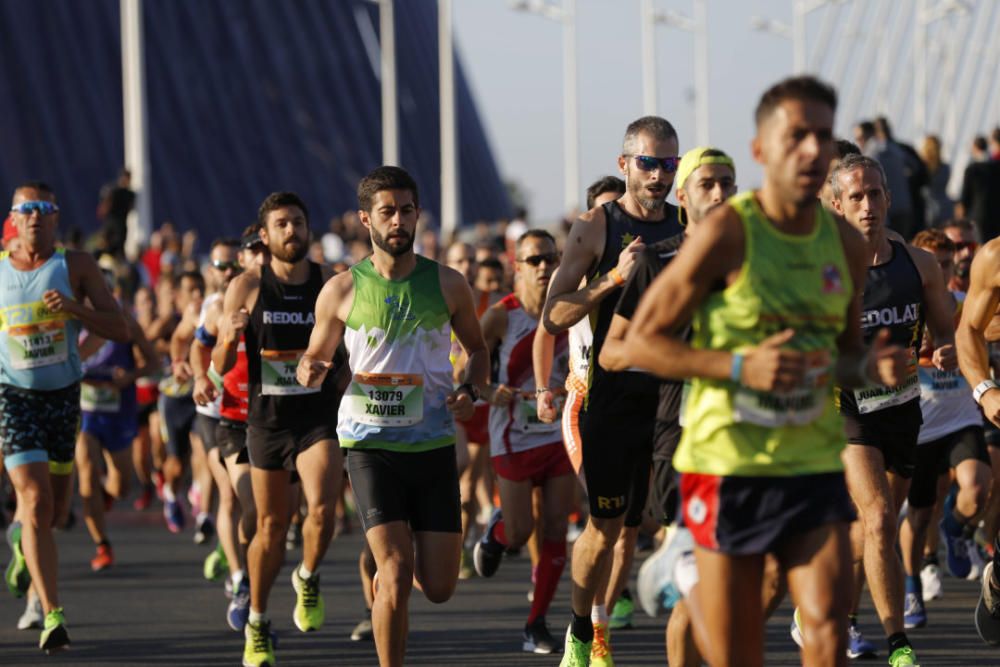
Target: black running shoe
x=538, y=639
x=488, y=553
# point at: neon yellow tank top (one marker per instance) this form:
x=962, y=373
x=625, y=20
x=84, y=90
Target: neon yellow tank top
x=798, y=282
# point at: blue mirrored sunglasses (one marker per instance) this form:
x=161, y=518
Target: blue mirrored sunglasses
x=29, y=207
x=649, y=163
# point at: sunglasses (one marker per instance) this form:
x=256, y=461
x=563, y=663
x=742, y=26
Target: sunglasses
x=966, y=245
x=29, y=207
x=650, y=163
x=225, y=266
x=536, y=260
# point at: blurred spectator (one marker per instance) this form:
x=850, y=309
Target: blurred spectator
x=979, y=151
x=486, y=250
x=189, y=245
x=150, y=257
x=938, y=206
x=916, y=174
x=995, y=143
x=116, y=201
x=890, y=156
x=963, y=236
x=490, y=276
x=333, y=245
x=981, y=197
x=316, y=252
x=602, y=185
x=427, y=244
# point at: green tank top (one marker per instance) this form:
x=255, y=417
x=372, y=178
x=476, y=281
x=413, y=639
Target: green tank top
x=798, y=282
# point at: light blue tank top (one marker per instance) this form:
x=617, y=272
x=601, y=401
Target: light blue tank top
x=38, y=348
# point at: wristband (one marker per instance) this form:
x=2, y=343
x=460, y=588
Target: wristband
x=982, y=388
x=542, y=390
x=736, y=371
x=616, y=276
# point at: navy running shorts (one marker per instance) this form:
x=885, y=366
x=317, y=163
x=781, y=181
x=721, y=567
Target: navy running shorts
x=38, y=426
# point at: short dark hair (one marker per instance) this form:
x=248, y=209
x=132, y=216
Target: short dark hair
x=867, y=128
x=228, y=242
x=192, y=275
x=980, y=142
x=794, y=88
x=40, y=186
x=602, y=185
x=277, y=200
x=845, y=148
x=385, y=178
x=535, y=234
x=852, y=162
x=655, y=126
x=490, y=263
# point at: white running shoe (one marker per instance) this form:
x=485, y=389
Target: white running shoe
x=930, y=582
x=976, y=557
x=656, y=589
x=33, y=616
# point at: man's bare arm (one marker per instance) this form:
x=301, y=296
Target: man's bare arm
x=980, y=305
x=940, y=309
x=234, y=319
x=103, y=317
x=328, y=332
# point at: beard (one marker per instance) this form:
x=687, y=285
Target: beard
x=638, y=191
x=291, y=254
x=397, y=250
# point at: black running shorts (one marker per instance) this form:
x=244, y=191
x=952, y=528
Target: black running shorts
x=893, y=431
x=420, y=488
x=232, y=439
x=205, y=426
x=176, y=422
x=277, y=448
x=934, y=458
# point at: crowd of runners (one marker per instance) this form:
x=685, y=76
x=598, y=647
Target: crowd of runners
x=795, y=399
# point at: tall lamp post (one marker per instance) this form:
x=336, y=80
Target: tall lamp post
x=699, y=27
x=565, y=14
x=140, y=222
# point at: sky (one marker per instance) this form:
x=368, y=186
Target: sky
x=514, y=63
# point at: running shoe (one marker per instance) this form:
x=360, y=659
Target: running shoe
x=239, y=609
x=174, y=516
x=600, y=648
x=258, y=651
x=216, y=564
x=104, y=559
x=621, y=615
x=465, y=567
x=930, y=581
x=903, y=657
x=976, y=558
x=17, y=576
x=576, y=653
x=144, y=499
x=204, y=528
x=363, y=631
x=54, y=636
x=857, y=645
x=914, y=614
x=33, y=616
x=538, y=639
x=488, y=554
x=656, y=588
x=309, y=611
x=796, y=629
x=956, y=545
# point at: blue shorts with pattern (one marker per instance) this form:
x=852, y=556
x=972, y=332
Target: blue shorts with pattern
x=38, y=426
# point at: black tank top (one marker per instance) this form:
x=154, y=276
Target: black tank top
x=281, y=322
x=622, y=228
x=893, y=300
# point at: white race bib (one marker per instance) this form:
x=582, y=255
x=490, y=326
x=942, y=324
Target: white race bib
x=36, y=345
x=797, y=407
x=277, y=373
x=877, y=397
x=526, y=414
x=100, y=398
x=386, y=399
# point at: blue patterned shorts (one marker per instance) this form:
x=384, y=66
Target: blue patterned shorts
x=38, y=426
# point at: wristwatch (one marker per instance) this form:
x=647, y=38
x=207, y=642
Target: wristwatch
x=469, y=389
x=982, y=388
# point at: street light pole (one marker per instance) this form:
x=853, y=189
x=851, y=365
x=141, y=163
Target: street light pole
x=140, y=221
x=390, y=124
x=449, y=148
x=647, y=21
x=698, y=26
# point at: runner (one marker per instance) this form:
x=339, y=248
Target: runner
x=527, y=452
x=760, y=453
x=109, y=424
x=978, y=310
x=904, y=288
x=395, y=312
x=289, y=427
x=951, y=438
x=616, y=439
x=147, y=391
x=41, y=313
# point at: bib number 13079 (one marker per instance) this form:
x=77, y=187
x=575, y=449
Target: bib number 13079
x=386, y=399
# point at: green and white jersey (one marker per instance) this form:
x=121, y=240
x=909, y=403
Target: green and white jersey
x=398, y=339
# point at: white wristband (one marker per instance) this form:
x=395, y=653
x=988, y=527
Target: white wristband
x=982, y=388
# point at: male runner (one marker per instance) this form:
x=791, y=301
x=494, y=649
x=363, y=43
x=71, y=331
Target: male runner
x=951, y=438
x=978, y=310
x=395, y=312
x=109, y=424
x=617, y=440
x=527, y=452
x=289, y=427
x=903, y=288
x=760, y=453
x=41, y=313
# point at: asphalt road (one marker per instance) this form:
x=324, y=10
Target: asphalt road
x=154, y=608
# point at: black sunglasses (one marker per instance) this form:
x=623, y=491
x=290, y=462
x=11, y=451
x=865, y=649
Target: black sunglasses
x=536, y=260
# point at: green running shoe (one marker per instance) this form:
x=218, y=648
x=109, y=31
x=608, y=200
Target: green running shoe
x=576, y=653
x=216, y=564
x=903, y=657
x=309, y=612
x=621, y=615
x=54, y=636
x=258, y=651
x=17, y=576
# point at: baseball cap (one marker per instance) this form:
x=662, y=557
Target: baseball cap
x=695, y=158
x=251, y=240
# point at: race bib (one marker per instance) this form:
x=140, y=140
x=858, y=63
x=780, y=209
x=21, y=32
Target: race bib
x=386, y=399
x=277, y=373
x=942, y=384
x=877, y=397
x=797, y=407
x=526, y=414
x=35, y=345
x=100, y=398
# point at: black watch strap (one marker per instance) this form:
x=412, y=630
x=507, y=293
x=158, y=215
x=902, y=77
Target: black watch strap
x=470, y=389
